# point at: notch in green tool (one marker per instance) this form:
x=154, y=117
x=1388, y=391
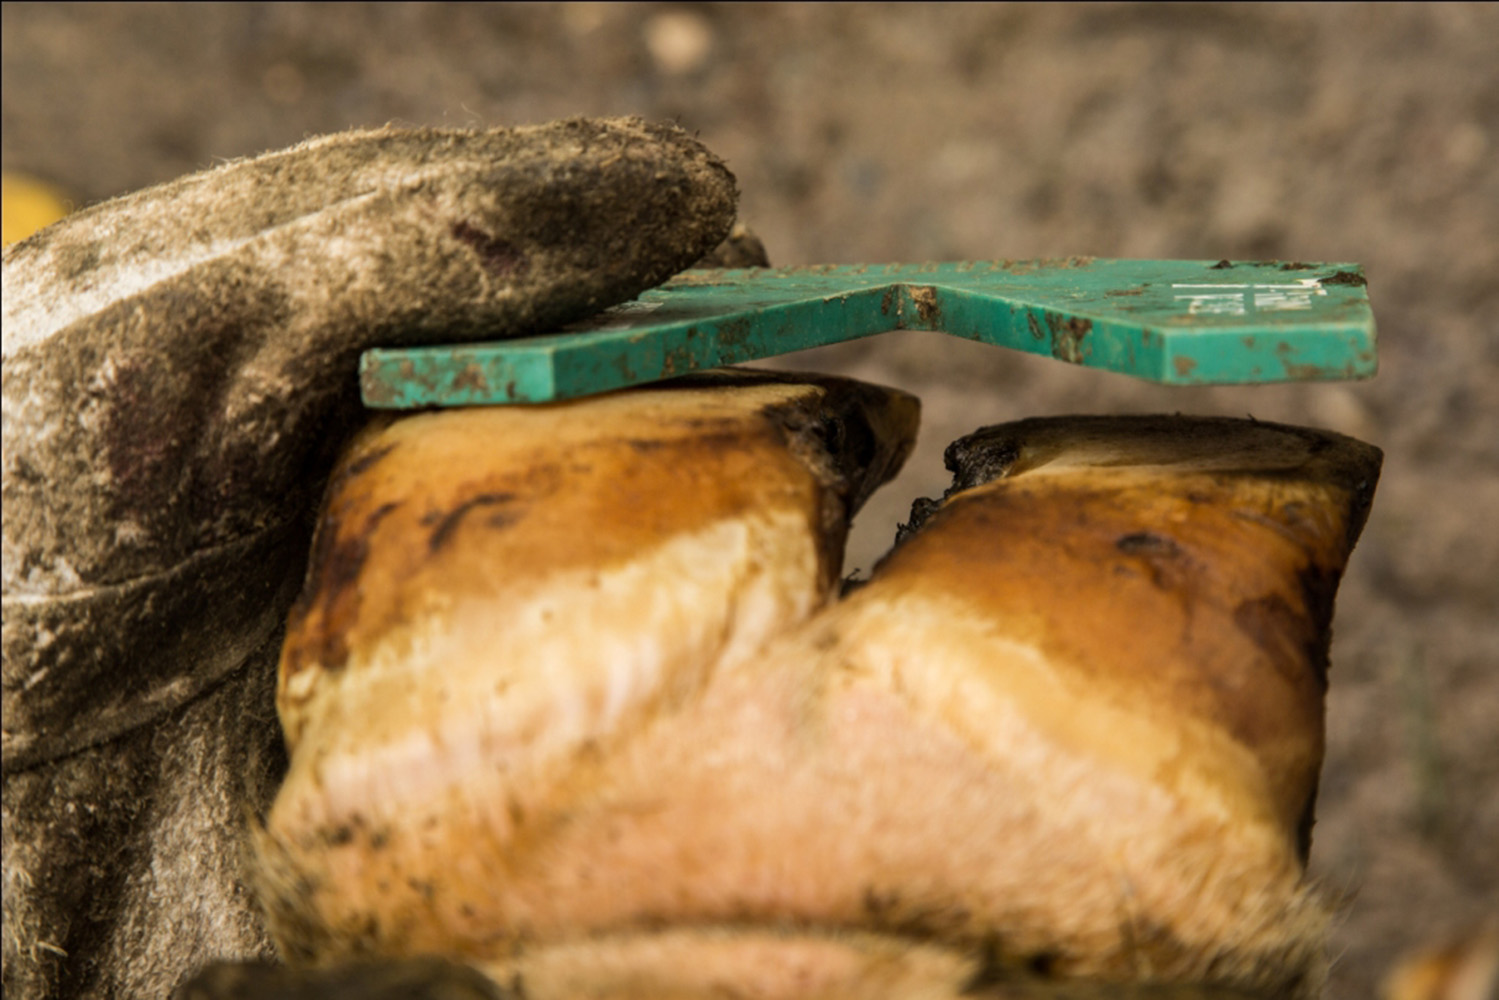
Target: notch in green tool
x=1176, y=322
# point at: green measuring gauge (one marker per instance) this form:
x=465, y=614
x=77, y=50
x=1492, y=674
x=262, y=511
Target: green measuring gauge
x=1176, y=322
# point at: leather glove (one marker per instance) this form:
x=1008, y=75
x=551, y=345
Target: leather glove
x=179, y=371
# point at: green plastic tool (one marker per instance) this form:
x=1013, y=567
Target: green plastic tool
x=1178, y=322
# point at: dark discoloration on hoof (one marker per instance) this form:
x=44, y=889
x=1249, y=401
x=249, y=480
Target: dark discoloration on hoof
x=449, y=521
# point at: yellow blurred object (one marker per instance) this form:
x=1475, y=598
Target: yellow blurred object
x=1466, y=968
x=29, y=205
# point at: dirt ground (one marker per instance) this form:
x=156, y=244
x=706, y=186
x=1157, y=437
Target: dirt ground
x=902, y=133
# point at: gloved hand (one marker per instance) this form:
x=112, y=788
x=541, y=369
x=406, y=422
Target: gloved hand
x=179, y=370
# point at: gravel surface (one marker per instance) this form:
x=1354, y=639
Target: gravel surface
x=863, y=133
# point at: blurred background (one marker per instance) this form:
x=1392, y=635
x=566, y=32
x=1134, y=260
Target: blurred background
x=872, y=133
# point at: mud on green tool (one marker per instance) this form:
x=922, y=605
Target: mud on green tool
x=1176, y=322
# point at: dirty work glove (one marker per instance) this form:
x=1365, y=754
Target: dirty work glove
x=179, y=370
